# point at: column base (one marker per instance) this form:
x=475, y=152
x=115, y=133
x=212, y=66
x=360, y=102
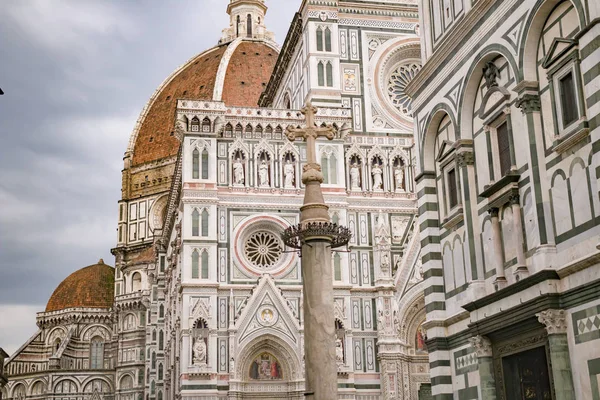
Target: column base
x=500, y=283
x=521, y=273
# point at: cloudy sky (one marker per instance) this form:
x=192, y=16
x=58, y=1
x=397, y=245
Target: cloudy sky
x=76, y=74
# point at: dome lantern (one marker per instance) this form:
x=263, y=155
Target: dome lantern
x=247, y=20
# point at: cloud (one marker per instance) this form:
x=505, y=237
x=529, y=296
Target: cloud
x=69, y=26
x=21, y=321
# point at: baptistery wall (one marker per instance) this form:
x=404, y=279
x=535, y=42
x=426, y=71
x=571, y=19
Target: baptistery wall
x=207, y=302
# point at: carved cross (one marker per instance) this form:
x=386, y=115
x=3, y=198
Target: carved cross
x=310, y=133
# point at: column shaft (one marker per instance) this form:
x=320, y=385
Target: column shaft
x=500, y=281
x=486, y=376
x=319, y=324
x=561, y=367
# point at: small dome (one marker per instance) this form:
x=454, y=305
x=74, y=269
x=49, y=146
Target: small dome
x=90, y=287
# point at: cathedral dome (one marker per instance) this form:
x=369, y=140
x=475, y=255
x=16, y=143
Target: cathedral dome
x=89, y=287
x=235, y=73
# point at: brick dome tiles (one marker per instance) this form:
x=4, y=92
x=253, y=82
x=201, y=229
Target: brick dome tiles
x=89, y=287
x=248, y=71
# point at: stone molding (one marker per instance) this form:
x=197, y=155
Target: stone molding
x=554, y=320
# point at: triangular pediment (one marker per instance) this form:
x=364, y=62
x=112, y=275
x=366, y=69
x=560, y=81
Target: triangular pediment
x=557, y=49
x=267, y=312
x=445, y=148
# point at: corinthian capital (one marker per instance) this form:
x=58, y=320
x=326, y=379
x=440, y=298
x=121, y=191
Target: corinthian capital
x=555, y=321
x=482, y=346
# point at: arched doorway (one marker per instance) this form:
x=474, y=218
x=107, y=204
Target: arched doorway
x=269, y=369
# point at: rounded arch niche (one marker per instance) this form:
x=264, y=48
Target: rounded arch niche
x=258, y=248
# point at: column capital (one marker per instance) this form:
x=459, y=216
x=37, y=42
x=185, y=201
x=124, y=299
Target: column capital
x=465, y=158
x=554, y=320
x=494, y=211
x=514, y=198
x=529, y=103
x=482, y=345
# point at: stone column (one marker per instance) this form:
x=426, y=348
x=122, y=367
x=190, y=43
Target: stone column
x=522, y=271
x=483, y=348
x=500, y=281
x=556, y=326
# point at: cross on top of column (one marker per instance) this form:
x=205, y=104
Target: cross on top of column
x=310, y=133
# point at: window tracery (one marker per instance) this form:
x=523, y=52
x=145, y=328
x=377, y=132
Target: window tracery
x=263, y=249
x=396, y=87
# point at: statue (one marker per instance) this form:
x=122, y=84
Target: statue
x=232, y=366
x=289, y=173
x=354, y=177
x=385, y=263
x=263, y=174
x=491, y=73
x=238, y=172
x=399, y=178
x=339, y=350
x=199, y=351
x=377, y=177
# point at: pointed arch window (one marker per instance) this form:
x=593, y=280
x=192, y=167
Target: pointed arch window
x=204, y=164
x=333, y=169
x=321, y=74
x=195, y=125
x=319, y=39
x=337, y=267
x=161, y=340
x=329, y=69
x=327, y=39
x=206, y=125
x=161, y=311
x=97, y=353
x=204, y=223
x=195, y=223
x=195, y=265
x=196, y=164
x=160, y=376
x=325, y=168
x=153, y=360
x=204, y=265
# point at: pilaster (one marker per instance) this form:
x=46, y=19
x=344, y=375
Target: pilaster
x=556, y=326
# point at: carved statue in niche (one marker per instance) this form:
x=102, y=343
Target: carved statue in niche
x=385, y=263
x=355, y=176
x=199, y=351
x=491, y=73
x=420, y=338
x=399, y=178
x=289, y=172
x=339, y=350
x=377, y=173
x=238, y=172
x=263, y=174
x=399, y=225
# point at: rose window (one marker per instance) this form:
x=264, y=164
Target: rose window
x=263, y=249
x=396, y=87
